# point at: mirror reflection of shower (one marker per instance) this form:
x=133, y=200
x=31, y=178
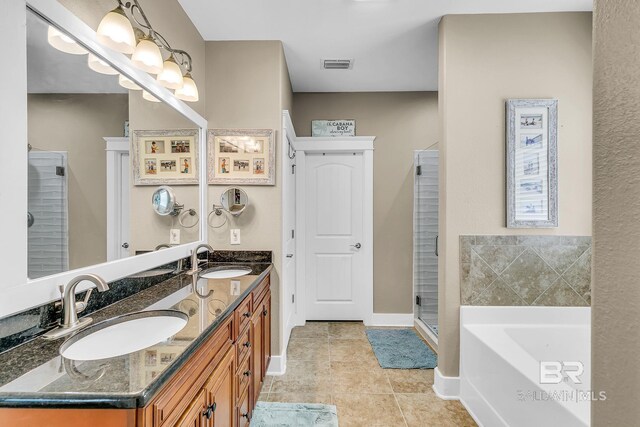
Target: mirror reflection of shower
x=47, y=216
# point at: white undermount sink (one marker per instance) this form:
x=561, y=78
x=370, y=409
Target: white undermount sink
x=123, y=335
x=225, y=272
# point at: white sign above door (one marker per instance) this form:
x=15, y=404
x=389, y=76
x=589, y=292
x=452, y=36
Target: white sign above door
x=333, y=127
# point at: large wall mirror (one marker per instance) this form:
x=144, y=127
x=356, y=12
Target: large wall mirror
x=91, y=130
x=102, y=138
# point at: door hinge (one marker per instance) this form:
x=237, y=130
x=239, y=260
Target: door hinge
x=293, y=169
x=293, y=234
x=60, y=170
x=293, y=298
x=418, y=300
x=418, y=170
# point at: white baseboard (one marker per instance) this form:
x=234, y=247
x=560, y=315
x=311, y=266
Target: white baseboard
x=446, y=388
x=278, y=365
x=392, y=319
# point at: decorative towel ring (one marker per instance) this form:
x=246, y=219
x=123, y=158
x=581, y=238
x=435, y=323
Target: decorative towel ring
x=188, y=212
x=217, y=210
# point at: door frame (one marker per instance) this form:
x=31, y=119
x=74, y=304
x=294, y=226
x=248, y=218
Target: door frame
x=115, y=148
x=288, y=309
x=350, y=144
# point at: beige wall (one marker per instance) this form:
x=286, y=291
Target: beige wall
x=248, y=87
x=485, y=59
x=77, y=123
x=615, y=339
x=148, y=229
x=401, y=122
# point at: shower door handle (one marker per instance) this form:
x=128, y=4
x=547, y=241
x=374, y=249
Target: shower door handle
x=436, y=251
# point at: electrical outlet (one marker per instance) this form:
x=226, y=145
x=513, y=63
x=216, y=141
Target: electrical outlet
x=174, y=236
x=235, y=236
x=235, y=287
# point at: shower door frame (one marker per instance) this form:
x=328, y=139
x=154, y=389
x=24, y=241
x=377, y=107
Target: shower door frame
x=419, y=324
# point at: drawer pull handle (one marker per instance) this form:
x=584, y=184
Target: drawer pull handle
x=246, y=373
x=208, y=413
x=245, y=415
x=247, y=344
x=247, y=314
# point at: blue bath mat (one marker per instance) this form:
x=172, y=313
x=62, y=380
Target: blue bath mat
x=401, y=349
x=271, y=414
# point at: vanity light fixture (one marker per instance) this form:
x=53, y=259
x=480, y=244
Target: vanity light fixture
x=189, y=90
x=127, y=83
x=147, y=56
x=171, y=75
x=116, y=32
x=146, y=95
x=63, y=42
x=100, y=66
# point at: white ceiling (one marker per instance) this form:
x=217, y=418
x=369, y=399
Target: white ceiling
x=394, y=43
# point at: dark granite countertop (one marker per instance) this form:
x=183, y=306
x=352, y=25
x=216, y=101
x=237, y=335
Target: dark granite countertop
x=35, y=375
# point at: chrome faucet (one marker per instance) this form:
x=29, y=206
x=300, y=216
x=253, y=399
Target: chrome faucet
x=195, y=270
x=179, y=267
x=195, y=263
x=70, y=308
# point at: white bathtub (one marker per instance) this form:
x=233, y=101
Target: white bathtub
x=500, y=353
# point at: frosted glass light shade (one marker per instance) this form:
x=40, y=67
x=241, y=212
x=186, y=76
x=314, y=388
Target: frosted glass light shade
x=171, y=75
x=127, y=83
x=63, y=42
x=100, y=66
x=147, y=57
x=115, y=31
x=189, y=91
x=146, y=95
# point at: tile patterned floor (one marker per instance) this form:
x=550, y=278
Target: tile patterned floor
x=333, y=363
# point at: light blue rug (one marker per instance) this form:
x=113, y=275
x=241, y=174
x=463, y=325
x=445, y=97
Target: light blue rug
x=272, y=414
x=401, y=349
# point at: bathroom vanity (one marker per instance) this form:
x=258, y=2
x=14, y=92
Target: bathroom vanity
x=208, y=374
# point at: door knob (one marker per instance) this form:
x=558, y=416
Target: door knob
x=125, y=245
x=357, y=246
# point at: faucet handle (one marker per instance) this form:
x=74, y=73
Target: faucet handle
x=82, y=305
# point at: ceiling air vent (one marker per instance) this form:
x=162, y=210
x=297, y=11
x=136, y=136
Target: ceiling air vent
x=337, y=64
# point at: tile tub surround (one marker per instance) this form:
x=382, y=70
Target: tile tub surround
x=34, y=374
x=525, y=270
x=333, y=363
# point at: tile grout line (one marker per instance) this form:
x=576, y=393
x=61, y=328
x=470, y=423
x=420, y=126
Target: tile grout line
x=400, y=409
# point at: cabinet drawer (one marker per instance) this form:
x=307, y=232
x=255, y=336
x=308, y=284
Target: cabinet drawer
x=242, y=316
x=244, y=344
x=175, y=396
x=244, y=414
x=243, y=378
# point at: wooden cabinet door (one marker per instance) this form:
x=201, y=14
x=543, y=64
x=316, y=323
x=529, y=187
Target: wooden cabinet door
x=195, y=415
x=220, y=392
x=266, y=333
x=257, y=354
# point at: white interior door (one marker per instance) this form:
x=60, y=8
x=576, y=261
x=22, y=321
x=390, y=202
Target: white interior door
x=335, y=264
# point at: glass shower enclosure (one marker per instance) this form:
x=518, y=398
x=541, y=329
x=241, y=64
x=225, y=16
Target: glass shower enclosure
x=425, y=239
